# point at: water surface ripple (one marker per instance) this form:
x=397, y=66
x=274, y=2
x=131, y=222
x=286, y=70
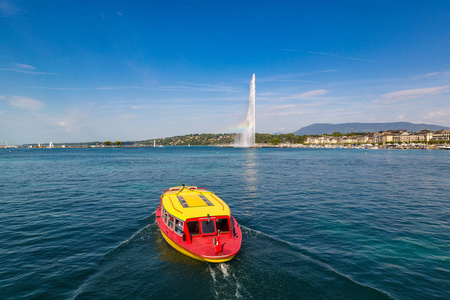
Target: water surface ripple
x=317, y=223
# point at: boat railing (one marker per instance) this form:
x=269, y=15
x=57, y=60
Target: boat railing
x=179, y=189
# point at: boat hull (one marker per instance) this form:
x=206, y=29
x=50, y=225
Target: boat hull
x=186, y=252
x=202, y=249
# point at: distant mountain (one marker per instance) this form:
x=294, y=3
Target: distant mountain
x=327, y=128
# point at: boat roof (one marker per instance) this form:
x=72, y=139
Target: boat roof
x=186, y=202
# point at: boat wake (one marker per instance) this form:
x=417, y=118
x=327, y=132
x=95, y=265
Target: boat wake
x=306, y=268
x=225, y=283
x=113, y=265
x=145, y=266
x=269, y=267
x=138, y=233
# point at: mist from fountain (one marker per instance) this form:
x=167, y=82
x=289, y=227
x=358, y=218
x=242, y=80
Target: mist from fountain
x=247, y=138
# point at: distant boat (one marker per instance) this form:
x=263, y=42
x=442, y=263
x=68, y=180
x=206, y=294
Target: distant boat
x=154, y=144
x=50, y=145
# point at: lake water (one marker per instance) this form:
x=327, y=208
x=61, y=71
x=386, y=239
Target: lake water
x=317, y=223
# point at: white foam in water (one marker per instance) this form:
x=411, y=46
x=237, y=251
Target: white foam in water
x=226, y=285
x=247, y=138
x=224, y=269
x=213, y=274
x=137, y=233
x=134, y=235
x=238, y=286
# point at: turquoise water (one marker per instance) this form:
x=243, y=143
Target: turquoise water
x=317, y=223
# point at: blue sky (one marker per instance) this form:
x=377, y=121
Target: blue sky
x=132, y=70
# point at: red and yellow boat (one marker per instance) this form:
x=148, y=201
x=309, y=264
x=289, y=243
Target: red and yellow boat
x=198, y=224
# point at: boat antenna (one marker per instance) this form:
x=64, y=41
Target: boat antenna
x=181, y=188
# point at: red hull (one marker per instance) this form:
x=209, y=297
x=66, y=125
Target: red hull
x=204, y=247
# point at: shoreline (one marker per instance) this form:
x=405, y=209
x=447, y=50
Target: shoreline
x=282, y=146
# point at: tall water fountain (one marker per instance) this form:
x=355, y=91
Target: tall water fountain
x=247, y=138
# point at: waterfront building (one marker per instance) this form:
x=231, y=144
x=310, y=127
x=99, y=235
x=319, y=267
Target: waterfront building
x=384, y=137
x=441, y=135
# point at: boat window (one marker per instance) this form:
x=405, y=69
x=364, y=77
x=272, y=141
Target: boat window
x=208, y=227
x=170, y=222
x=179, y=227
x=193, y=228
x=164, y=215
x=222, y=225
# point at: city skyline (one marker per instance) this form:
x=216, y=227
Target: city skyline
x=73, y=72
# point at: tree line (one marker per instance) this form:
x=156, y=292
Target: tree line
x=215, y=139
x=108, y=143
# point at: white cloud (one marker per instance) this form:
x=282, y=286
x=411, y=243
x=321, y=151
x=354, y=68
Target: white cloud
x=293, y=76
x=341, y=56
x=413, y=93
x=23, y=66
x=26, y=71
x=436, y=73
x=188, y=86
x=119, y=87
x=290, y=50
x=439, y=114
x=25, y=103
x=313, y=93
x=101, y=88
x=127, y=117
x=431, y=74
x=287, y=106
x=8, y=9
